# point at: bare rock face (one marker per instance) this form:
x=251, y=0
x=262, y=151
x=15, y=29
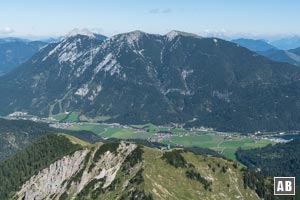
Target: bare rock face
x=105, y=168
x=49, y=181
x=72, y=173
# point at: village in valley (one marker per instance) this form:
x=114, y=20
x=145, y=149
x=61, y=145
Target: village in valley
x=175, y=135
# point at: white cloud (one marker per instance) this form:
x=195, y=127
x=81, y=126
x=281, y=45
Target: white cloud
x=97, y=30
x=6, y=30
x=215, y=33
x=168, y=10
x=154, y=11
x=160, y=11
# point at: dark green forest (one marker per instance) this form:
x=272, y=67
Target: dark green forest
x=278, y=160
x=15, y=135
x=263, y=186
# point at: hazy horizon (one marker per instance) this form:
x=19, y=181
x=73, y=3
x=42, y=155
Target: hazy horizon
x=267, y=38
x=228, y=19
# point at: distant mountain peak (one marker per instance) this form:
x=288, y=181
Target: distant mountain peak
x=13, y=39
x=133, y=34
x=174, y=33
x=256, y=45
x=77, y=31
x=287, y=43
x=131, y=38
x=136, y=32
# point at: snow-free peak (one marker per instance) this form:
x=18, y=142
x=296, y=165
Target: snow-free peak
x=174, y=33
x=77, y=31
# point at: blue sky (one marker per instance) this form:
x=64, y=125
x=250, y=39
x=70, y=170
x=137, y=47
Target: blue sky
x=233, y=18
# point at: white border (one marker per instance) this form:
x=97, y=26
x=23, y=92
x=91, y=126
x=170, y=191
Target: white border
x=284, y=194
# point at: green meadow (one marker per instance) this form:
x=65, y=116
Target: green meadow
x=111, y=132
x=220, y=143
x=70, y=117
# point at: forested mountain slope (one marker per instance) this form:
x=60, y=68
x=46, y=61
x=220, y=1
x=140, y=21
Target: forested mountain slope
x=138, y=77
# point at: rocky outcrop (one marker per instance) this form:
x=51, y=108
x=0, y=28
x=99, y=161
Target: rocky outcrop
x=50, y=180
x=71, y=174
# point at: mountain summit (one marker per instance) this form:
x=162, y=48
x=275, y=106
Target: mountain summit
x=174, y=33
x=77, y=31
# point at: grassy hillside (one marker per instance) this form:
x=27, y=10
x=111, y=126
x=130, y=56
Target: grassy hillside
x=167, y=181
x=128, y=171
x=63, y=167
x=200, y=177
x=74, y=140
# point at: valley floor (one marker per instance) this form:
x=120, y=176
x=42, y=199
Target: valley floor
x=224, y=143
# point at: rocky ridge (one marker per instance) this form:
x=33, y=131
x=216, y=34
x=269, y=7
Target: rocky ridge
x=54, y=181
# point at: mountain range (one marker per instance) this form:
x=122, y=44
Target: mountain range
x=13, y=39
x=254, y=45
x=15, y=51
x=136, y=78
x=264, y=48
x=286, y=43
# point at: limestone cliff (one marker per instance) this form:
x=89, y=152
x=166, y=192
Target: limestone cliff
x=72, y=173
